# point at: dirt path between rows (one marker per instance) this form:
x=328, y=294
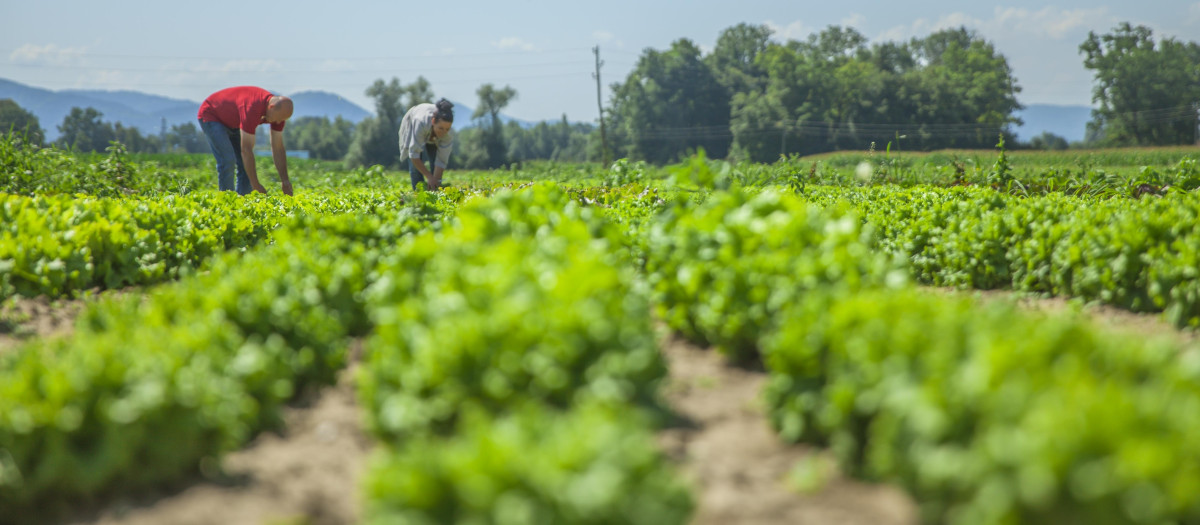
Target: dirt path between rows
x=23, y=319
x=740, y=470
x=307, y=476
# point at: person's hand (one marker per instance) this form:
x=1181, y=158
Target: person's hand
x=258, y=187
x=287, y=187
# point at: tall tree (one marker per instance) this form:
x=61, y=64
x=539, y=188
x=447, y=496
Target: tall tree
x=1148, y=93
x=15, y=119
x=376, y=139
x=491, y=102
x=82, y=130
x=968, y=90
x=818, y=95
x=321, y=137
x=733, y=60
x=133, y=139
x=419, y=92
x=672, y=102
x=832, y=91
x=760, y=127
x=187, y=138
x=762, y=122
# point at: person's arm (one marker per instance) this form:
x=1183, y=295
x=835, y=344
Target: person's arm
x=445, y=145
x=432, y=180
x=416, y=161
x=248, y=161
x=435, y=181
x=279, y=155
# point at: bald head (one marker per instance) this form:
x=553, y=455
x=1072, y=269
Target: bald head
x=279, y=109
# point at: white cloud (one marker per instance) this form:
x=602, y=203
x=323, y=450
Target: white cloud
x=1049, y=22
x=47, y=54
x=793, y=31
x=1054, y=22
x=1194, y=13
x=512, y=42
x=922, y=27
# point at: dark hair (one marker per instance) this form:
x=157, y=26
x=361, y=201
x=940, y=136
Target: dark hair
x=445, y=110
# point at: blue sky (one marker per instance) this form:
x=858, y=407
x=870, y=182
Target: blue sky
x=542, y=48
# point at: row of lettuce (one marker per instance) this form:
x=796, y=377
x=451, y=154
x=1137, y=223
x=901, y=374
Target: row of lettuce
x=1140, y=255
x=983, y=413
x=519, y=326
x=26, y=169
x=59, y=245
x=510, y=370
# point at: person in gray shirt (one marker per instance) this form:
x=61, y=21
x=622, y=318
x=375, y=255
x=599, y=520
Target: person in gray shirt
x=425, y=136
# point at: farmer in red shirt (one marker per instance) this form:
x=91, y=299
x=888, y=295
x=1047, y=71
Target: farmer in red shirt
x=229, y=118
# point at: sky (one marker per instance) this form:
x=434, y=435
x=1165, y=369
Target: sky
x=541, y=48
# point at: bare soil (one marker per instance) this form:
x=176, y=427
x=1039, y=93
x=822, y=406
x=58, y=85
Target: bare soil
x=25, y=318
x=741, y=471
x=307, y=476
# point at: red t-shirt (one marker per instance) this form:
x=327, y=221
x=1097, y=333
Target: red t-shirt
x=242, y=107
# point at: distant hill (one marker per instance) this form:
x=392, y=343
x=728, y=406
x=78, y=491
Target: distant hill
x=142, y=102
x=1069, y=122
x=325, y=104
x=146, y=111
x=117, y=106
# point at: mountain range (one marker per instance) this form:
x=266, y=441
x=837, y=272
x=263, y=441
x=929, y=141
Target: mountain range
x=147, y=112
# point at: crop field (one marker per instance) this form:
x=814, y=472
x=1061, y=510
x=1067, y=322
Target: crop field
x=558, y=343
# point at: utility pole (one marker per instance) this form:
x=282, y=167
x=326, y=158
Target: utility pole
x=603, y=133
x=162, y=135
x=1196, y=132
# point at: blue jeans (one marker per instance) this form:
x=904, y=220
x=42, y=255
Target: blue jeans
x=227, y=148
x=429, y=153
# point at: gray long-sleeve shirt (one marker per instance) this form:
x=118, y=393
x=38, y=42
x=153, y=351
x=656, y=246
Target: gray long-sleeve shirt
x=416, y=130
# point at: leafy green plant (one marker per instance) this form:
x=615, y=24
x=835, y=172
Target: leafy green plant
x=989, y=415
x=522, y=298
x=148, y=388
x=591, y=465
x=720, y=270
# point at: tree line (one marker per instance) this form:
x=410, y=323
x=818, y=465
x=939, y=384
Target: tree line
x=488, y=143
x=84, y=130
x=754, y=98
